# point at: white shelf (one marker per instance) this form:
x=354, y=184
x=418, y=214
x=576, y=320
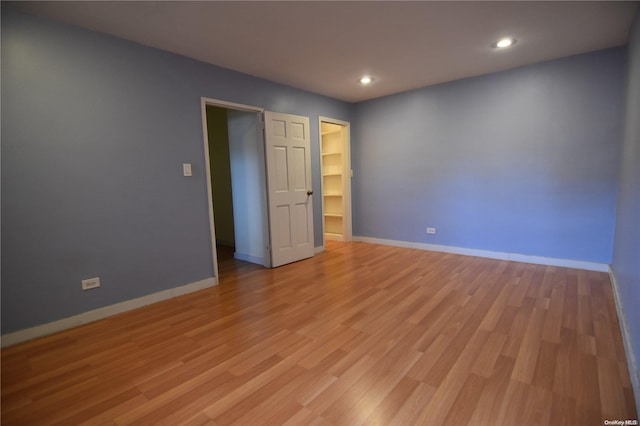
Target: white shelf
x=333, y=174
x=333, y=236
x=330, y=132
x=331, y=153
x=332, y=194
x=332, y=215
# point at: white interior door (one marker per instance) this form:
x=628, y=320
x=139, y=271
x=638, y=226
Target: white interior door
x=288, y=155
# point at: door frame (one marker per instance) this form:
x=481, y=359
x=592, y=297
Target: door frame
x=348, y=235
x=204, y=102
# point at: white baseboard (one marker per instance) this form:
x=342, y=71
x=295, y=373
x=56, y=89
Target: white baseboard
x=248, y=258
x=318, y=249
x=632, y=362
x=567, y=263
x=100, y=313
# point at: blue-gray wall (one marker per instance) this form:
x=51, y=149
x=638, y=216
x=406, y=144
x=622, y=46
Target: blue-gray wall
x=94, y=133
x=523, y=161
x=626, y=255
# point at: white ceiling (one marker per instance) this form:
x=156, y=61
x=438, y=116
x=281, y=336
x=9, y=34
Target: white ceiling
x=324, y=47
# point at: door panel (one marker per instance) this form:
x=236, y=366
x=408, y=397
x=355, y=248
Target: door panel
x=288, y=155
x=299, y=170
x=283, y=220
x=302, y=233
x=280, y=153
x=298, y=131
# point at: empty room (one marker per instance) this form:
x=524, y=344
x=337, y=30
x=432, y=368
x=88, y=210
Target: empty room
x=320, y=213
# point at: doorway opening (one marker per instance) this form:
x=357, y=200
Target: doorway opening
x=236, y=184
x=336, y=179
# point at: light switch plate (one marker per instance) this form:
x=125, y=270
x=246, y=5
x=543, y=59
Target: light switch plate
x=186, y=169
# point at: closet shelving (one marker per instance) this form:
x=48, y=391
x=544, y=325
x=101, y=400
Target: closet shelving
x=333, y=176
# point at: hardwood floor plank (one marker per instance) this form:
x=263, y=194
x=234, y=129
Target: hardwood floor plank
x=567, y=375
x=513, y=406
x=358, y=334
x=304, y=416
x=612, y=399
x=529, y=348
x=451, y=386
x=486, y=359
x=463, y=407
x=590, y=391
x=414, y=404
x=563, y=411
x=250, y=410
x=337, y=389
x=493, y=393
x=545, y=368
x=389, y=407
x=370, y=391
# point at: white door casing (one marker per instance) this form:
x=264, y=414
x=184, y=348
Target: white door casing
x=288, y=156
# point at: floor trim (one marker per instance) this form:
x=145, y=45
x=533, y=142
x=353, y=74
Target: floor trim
x=318, y=249
x=538, y=260
x=248, y=258
x=10, y=339
x=632, y=362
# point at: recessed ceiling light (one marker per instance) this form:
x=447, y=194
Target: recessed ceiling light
x=504, y=42
x=366, y=80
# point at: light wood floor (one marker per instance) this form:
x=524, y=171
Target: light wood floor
x=360, y=334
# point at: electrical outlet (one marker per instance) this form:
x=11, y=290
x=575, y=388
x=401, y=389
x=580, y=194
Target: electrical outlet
x=91, y=283
x=431, y=230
